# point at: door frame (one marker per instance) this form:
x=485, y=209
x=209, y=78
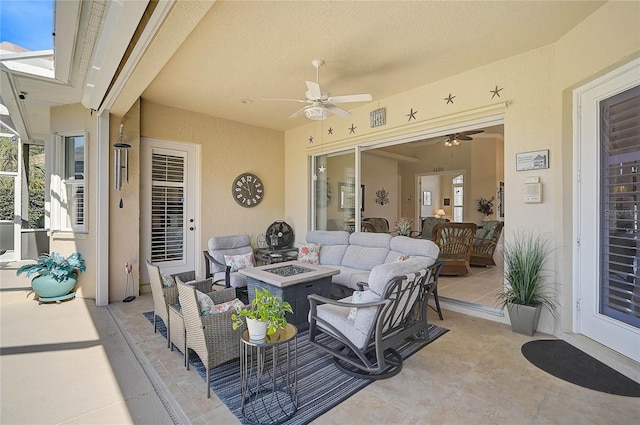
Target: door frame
x=194, y=175
x=587, y=320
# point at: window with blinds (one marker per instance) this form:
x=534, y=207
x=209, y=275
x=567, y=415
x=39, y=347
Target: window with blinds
x=458, y=199
x=69, y=194
x=619, y=202
x=167, y=208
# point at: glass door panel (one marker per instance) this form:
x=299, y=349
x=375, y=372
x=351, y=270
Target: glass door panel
x=335, y=196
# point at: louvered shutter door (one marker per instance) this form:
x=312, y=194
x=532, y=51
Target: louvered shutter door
x=167, y=207
x=619, y=203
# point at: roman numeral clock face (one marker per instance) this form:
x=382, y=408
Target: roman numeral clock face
x=247, y=190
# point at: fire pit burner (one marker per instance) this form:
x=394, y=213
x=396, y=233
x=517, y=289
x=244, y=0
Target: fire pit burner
x=290, y=270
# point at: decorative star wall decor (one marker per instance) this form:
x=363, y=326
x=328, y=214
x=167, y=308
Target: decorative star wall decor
x=322, y=169
x=330, y=130
x=310, y=139
x=352, y=129
x=496, y=92
x=449, y=99
x=412, y=114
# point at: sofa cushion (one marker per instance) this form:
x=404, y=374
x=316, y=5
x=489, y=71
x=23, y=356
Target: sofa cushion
x=350, y=277
x=413, y=247
x=333, y=245
x=366, y=250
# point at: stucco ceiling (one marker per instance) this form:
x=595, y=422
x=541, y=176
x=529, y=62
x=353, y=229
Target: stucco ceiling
x=257, y=50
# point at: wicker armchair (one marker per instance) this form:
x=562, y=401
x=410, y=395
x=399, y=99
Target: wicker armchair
x=380, y=224
x=211, y=337
x=428, y=224
x=485, y=242
x=455, y=241
x=162, y=298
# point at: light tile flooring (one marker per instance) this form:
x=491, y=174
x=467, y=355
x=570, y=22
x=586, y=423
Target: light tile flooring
x=474, y=374
x=480, y=287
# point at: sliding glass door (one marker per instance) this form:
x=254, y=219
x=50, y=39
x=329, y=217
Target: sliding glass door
x=335, y=195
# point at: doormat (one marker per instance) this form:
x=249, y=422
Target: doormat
x=566, y=362
x=321, y=385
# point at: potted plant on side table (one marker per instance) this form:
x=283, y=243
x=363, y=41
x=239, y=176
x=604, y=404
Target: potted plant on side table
x=57, y=275
x=264, y=315
x=527, y=290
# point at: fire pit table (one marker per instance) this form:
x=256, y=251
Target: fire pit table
x=292, y=281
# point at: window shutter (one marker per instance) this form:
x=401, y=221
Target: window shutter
x=167, y=207
x=619, y=202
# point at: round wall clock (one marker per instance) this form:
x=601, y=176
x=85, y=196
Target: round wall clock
x=247, y=190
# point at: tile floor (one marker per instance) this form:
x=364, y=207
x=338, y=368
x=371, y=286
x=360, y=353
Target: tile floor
x=479, y=288
x=473, y=374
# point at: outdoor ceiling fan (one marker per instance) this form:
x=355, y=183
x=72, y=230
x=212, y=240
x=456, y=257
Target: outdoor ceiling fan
x=454, y=139
x=320, y=103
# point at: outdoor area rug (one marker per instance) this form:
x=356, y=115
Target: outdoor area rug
x=321, y=386
x=566, y=362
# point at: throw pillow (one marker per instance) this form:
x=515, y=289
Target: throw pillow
x=207, y=306
x=237, y=262
x=235, y=304
x=309, y=253
x=167, y=281
x=356, y=298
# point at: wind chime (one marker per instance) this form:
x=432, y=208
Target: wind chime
x=121, y=163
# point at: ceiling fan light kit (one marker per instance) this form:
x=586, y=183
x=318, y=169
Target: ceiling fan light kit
x=454, y=139
x=321, y=104
x=316, y=113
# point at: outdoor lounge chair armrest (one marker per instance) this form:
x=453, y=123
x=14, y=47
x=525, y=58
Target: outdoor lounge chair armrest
x=208, y=273
x=314, y=299
x=362, y=286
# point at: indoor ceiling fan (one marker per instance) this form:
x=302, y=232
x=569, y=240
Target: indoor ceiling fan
x=455, y=138
x=320, y=103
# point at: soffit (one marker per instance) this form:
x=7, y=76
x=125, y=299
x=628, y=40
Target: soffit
x=259, y=50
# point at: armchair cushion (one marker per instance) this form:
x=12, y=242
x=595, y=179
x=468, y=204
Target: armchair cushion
x=234, y=304
x=167, y=280
x=241, y=261
x=207, y=306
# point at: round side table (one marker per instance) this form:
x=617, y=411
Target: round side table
x=268, y=376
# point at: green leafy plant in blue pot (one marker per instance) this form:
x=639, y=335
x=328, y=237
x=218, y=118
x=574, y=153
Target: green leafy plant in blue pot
x=57, y=275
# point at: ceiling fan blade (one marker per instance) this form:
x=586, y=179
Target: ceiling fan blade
x=298, y=112
x=314, y=90
x=462, y=137
x=365, y=97
x=338, y=111
x=289, y=100
x=466, y=133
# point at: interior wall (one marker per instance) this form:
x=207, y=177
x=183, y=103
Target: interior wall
x=431, y=184
x=229, y=148
x=379, y=173
x=68, y=118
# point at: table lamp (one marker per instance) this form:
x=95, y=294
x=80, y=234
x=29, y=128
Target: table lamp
x=440, y=213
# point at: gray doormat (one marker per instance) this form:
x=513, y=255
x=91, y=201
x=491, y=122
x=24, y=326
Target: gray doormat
x=566, y=362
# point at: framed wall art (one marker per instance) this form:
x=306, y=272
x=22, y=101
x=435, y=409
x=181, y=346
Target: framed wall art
x=536, y=160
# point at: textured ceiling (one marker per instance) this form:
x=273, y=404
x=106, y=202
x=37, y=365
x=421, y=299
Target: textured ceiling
x=257, y=50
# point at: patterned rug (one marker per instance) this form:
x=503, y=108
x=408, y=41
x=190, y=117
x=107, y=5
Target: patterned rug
x=321, y=386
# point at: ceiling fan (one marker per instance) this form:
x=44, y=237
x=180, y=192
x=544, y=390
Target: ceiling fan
x=320, y=103
x=454, y=139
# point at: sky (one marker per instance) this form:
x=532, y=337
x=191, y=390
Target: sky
x=27, y=23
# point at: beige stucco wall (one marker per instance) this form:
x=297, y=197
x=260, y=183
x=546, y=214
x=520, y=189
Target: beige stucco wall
x=228, y=148
x=124, y=223
x=70, y=118
x=538, y=118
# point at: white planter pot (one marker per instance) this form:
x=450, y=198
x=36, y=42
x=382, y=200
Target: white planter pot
x=257, y=329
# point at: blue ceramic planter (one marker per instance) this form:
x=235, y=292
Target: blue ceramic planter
x=47, y=287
